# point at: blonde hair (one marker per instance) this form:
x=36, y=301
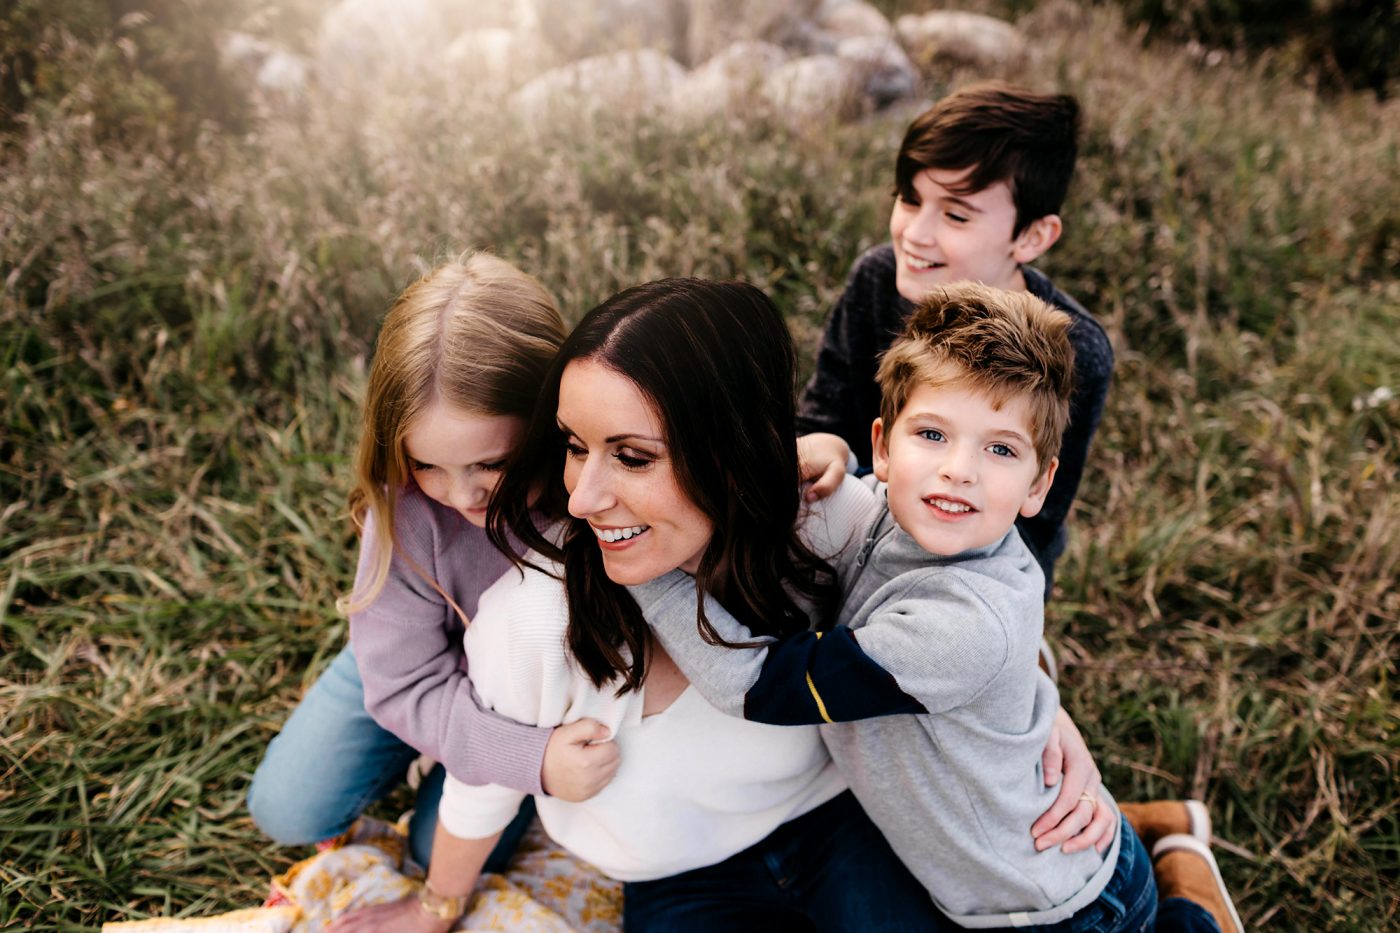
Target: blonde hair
x=477, y=334
x=999, y=343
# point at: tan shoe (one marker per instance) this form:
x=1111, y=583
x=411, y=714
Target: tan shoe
x=1185, y=868
x=1158, y=818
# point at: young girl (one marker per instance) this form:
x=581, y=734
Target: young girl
x=458, y=363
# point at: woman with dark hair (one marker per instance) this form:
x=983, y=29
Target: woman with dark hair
x=664, y=439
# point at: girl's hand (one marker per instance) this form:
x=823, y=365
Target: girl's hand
x=1078, y=818
x=579, y=760
x=821, y=460
x=406, y=915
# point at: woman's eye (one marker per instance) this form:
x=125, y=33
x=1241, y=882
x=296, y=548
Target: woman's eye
x=929, y=434
x=1002, y=450
x=632, y=461
x=574, y=450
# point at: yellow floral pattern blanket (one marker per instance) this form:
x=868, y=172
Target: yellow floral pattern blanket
x=545, y=890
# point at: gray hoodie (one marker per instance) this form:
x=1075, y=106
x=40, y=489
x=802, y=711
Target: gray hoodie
x=955, y=790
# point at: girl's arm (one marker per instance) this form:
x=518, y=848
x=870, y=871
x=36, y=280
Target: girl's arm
x=416, y=684
x=455, y=869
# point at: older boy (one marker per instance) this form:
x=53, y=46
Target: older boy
x=940, y=592
x=979, y=182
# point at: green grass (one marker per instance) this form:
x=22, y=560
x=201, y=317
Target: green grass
x=183, y=336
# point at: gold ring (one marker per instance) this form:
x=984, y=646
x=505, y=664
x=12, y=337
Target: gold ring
x=1092, y=798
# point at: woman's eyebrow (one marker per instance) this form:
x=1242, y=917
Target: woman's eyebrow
x=616, y=438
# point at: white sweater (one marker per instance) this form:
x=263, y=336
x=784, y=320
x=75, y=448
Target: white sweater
x=695, y=786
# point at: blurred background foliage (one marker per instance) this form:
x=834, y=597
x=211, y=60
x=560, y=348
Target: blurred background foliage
x=190, y=282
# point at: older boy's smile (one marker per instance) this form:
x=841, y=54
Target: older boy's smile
x=943, y=234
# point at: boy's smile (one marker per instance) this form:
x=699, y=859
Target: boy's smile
x=959, y=470
x=941, y=237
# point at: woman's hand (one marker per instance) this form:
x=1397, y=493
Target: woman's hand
x=821, y=461
x=579, y=760
x=1078, y=818
x=404, y=916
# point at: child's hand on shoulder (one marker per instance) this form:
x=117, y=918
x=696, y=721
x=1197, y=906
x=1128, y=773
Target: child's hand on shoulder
x=822, y=460
x=579, y=760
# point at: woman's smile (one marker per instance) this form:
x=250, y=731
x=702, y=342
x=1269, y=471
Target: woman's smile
x=620, y=479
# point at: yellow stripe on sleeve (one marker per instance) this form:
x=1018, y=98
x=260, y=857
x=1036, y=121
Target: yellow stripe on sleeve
x=821, y=707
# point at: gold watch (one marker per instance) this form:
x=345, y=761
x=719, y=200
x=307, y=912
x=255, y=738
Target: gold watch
x=440, y=905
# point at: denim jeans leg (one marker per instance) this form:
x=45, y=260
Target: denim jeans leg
x=737, y=895
x=330, y=761
x=850, y=878
x=423, y=825
x=1128, y=904
x=1178, y=915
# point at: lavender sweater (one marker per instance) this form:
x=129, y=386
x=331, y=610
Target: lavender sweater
x=408, y=644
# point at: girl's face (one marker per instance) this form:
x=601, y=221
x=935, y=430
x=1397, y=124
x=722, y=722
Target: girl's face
x=456, y=457
x=620, y=479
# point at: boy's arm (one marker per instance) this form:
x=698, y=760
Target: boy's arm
x=806, y=678
x=835, y=397
x=1093, y=371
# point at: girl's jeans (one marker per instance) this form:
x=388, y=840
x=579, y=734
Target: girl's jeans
x=332, y=760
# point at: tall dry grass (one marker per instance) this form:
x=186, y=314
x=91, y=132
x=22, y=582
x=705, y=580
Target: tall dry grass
x=184, y=337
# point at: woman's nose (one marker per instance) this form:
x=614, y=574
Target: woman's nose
x=590, y=494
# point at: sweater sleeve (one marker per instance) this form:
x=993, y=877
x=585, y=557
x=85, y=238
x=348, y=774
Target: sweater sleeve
x=939, y=639
x=416, y=687
x=516, y=643
x=835, y=397
x=807, y=678
x=1093, y=371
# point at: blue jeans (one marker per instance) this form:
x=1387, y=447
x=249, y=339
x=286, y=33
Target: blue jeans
x=1178, y=915
x=1127, y=903
x=829, y=869
x=331, y=761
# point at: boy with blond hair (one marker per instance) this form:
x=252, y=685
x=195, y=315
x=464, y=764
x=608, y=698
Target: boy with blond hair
x=941, y=594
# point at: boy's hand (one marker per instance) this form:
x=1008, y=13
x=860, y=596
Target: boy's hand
x=405, y=915
x=1078, y=818
x=821, y=460
x=579, y=761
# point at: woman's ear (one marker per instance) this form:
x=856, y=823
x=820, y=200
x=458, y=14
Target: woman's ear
x=1040, y=234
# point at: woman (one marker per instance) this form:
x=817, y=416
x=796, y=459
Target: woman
x=668, y=416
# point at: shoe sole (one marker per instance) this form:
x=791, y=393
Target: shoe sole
x=1192, y=844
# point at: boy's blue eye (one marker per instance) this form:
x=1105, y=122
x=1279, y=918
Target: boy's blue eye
x=931, y=434
x=1002, y=450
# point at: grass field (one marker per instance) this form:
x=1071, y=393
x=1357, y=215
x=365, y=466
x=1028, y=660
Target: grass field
x=184, y=326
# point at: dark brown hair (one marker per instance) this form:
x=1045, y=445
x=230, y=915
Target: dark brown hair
x=1000, y=343
x=1003, y=133
x=716, y=361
